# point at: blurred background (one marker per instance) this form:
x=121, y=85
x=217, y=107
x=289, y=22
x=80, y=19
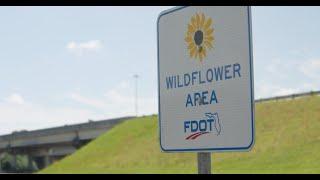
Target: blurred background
x=68, y=65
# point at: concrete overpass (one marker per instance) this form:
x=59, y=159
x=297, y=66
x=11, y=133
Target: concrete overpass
x=48, y=145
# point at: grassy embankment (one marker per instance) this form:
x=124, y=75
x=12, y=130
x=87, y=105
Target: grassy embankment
x=287, y=141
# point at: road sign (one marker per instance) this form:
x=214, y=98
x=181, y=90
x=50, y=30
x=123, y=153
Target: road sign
x=205, y=79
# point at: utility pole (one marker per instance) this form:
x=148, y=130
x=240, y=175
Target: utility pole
x=136, y=93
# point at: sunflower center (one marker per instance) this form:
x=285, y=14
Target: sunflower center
x=198, y=37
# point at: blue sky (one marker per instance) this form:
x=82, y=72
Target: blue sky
x=65, y=65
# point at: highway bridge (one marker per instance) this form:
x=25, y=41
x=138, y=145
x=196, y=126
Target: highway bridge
x=48, y=145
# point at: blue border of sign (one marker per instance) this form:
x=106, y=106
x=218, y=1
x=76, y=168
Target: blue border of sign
x=246, y=148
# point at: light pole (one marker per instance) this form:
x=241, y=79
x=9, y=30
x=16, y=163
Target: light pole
x=136, y=93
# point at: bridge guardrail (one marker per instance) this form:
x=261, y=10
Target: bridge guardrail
x=291, y=96
x=97, y=123
x=63, y=129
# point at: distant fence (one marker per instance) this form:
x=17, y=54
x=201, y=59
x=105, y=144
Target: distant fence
x=291, y=96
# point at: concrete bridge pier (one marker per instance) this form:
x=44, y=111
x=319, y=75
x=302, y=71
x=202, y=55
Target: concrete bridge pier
x=39, y=162
x=1, y=156
x=47, y=161
x=42, y=161
x=30, y=162
x=14, y=161
x=45, y=146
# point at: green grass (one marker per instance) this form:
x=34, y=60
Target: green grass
x=287, y=141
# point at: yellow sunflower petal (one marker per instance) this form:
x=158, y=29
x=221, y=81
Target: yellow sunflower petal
x=196, y=54
x=208, y=23
x=208, y=44
x=209, y=38
x=191, y=29
x=202, y=20
x=200, y=56
x=193, y=21
x=193, y=51
x=198, y=20
x=188, y=39
x=209, y=32
x=204, y=52
x=191, y=45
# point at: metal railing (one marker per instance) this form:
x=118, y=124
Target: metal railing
x=66, y=128
x=114, y=121
x=291, y=96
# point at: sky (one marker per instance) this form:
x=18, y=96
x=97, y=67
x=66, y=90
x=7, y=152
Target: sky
x=66, y=65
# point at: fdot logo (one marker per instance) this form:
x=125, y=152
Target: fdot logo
x=199, y=127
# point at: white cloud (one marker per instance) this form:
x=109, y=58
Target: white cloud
x=273, y=65
x=30, y=116
x=18, y=114
x=281, y=91
x=88, y=101
x=304, y=72
x=311, y=86
x=311, y=68
x=277, y=67
x=124, y=85
x=123, y=99
x=15, y=99
x=84, y=47
x=119, y=101
x=265, y=89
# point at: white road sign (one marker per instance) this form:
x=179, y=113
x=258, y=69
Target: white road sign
x=205, y=75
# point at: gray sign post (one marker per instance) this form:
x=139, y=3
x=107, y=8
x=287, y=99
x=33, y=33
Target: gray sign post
x=204, y=162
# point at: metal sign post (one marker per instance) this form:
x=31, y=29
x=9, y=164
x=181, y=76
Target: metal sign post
x=204, y=162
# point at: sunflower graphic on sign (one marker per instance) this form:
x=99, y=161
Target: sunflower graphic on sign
x=199, y=37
